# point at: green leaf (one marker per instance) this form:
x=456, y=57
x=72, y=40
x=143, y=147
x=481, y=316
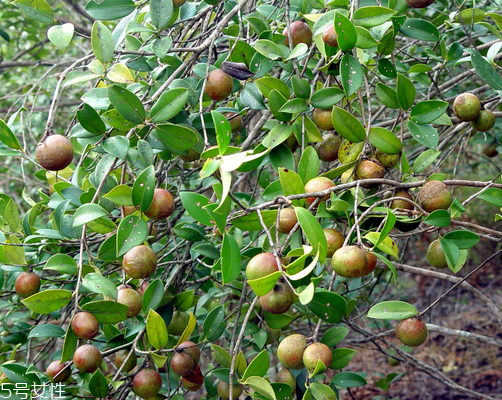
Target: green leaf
x=153, y=295
x=327, y=97
x=131, y=232
x=251, y=222
x=192, y=322
x=334, y=335
x=161, y=12
x=90, y=120
x=275, y=101
x=425, y=159
x=97, y=283
x=39, y=10
x=393, y=310
x=427, y=111
x=213, y=325
x=313, y=231
x=267, y=84
x=485, y=70
x=492, y=196
x=439, y=218
x=265, y=284
x=420, y=29
x=368, y=17
x=46, y=331
x=177, y=136
x=62, y=263
x=321, y=391
x=194, y=204
x=464, y=240
x=269, y=49
x=387, y=245
x=451, y=251
x=88, y=212
x=261, y=386
x=126, y=103
x=69, y=344
x=170, y=103
x=348, y=379
x=385, y=140
x=341, y=357
x=258, y=366
x=299, y=50
x=387, y=96
x=424, y=134
x=102, y=43
x=389, y=265
x=221, y=356
x=107, y=312
x=364, y=38
x=291, y=184
x=351, y=74
x=61, y=35
x=347, y=34
x=117, y=146
x=277, y=135
x=48, y=301
x=328, y=306
x=348, y=126
x=156, y=330
x=386, y=68
x=405, y=92
x=294, y=106
x=121, y=195
x=301, y=87
x=308, y=167
x=144, y=188
x=230, y=259
x=98, y=385
x=223, y=131
x=7, y=137
x=109, y=9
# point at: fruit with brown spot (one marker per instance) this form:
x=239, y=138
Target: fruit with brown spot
x=466, y=106
x=130, y=297
x=54, y=153
x=484, y=121
x=261, y=265
x=433, y=196
x=411, y=332
x=279, y=299
x=314, y=353
x=318, y=184
x=287, y=220
x=85, y=325
x=370, y=169
x=87, y=358
x=218, y=85
x=350, y=262
x=290, y=351
x=334, y=239
x=322, y=118
x=402, y=204
x=140, y=262
x=329, y=36
x=223, y=390
x=147, y=383
x=327, y=150
x=436, y=256
x=121, y=357
x=58, y=372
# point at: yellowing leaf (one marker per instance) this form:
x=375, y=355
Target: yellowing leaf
x=120, y=73
x=387, y=246
x=188, y=330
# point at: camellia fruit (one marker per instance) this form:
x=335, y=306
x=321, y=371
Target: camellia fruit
x=402, y=204
x=290, y=351
x=334, y=239
x=370, y=169
x=261, y=265
x=411, y=332
x=484, y=121
x=219, y=85
x=329, y=36
x=162, y=205
x=318, y=184
x=466, y=106
x=179, y=322
x=54, y=153
x=350, y=262
x=58, y=372
x=433, y=196
x=27, y=284
x=87, y=358
x=314, y=353
x=235, y=121
x=121, y=357
x=85, y=325
x=285, y=376
x=279, y=299
x=327, y=150
x=322, y=118
x=287, y=220
x=436, y=256
x=147, y=383
x=182, y=364
x=300, y=33
x=490, y=150
x=191, y=349
x=131, y=298
x=419, y=3
x=387, y=160
x=140, y=262
x=223, y=390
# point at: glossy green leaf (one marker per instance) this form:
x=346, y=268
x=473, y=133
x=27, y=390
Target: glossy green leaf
x=275, y=101
x=90, y=120
x=492, y=196
x=223, y=131
x=117, y=146
x=230, y=259
x=109, y=9
x=14, y=254
x=485, y=70
x=308, y=167
x=170, y=103
x=192, y=323
x=258, y=366
x=102, y=42
x=61, y=35
x=156, y=330
x=299, y=50
x=161, y=12
x=385, y=140
x=277, y=135
x=69, y=344
x=387, y=245
x=368, y=17
x=47, y=301
x=194, y=203
x=62, y=263
x=334, y=335
x=387, y=96
x=294, y=106
x=425, y=134
x=327, y=97
x=347, y=34
x=439, y=218
x=387, y=44
x=420, y=29
x=321, y=391
x=39, y=10
x=221, y=356
x=107, y=312
x=348, y=126
x=131, y=232
x=177, y=136
x=143, y=188
x=328, y=306
x=341, y=357
x=7, y=137
x=120, y=195
x=427, y=111
x=269, y=49
x=115, y=120
x=251, y=222
x=392, y=310
x=88, y=212
x=351, y=74
x=425, y=159
x=386, y=68
x=348, y=379
x=267, y=84
x=464, y=240
x=213, y=325
x=98, y=385
x=291, y=184
x=451, y=251
x=126, y=103
x=46, y=331
x=261, y=386
x=405, y=92
x=301, y=87
x=97, y=283
x=364, y=38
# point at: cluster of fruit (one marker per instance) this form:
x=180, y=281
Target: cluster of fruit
x=294, y=352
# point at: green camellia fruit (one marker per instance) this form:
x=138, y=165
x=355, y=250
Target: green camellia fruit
x=490, y=150
x=370, y=169
x=285, y=376
x=261, y=265
x=130, y=297
x=140, y=262
x=223, y=390
x=219, y=85
x=121, y=357
x=290, y=351
x=85, y=325
x=436, y=256
x=279, y=299
x=287, y=220
x=54, y=153
x=327, y=150
x=350, y=262
x=387, y=160
x=402, y=204
x=147, y=383
x=334, y=239
x=433, y=196
x=300, y=33
x=322, y=118
x=411, y=332
x=466, y=106
x=484, y=122
x=317, y=352
x=179, y=322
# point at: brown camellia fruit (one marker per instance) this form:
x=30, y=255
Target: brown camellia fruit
x=329, y=36
x=466, y=106
x=327, y=150
x=85, y=325
x=285, y=376
x=120, y=358
x=300, y=33
x=287, y=220
x=490, y=150
x=411, y=332
x=314, y=353
x=419, y=3
x=87, y=358
x=350, y=262
x=402, y=204
x=334, y=239
x=433, y=196
x=27, y=284
x=191, y=349
x=219, y=85
x=290, y=351
x=318, y=184
x=370, y=169
x=140, y=262
x=182, y=364
x=179, y=322
x=279, y=299
x=54, y=153
x=261, y=265
x=58, y=372
x=194, y=380
x=484, y=121
x=223, y=390
x=436, y=256
x=387, y=160
x=178, y=3
x=322, y=118
x=162, y=205
x=130, y=297
x=147, y=383
x=235, y=121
